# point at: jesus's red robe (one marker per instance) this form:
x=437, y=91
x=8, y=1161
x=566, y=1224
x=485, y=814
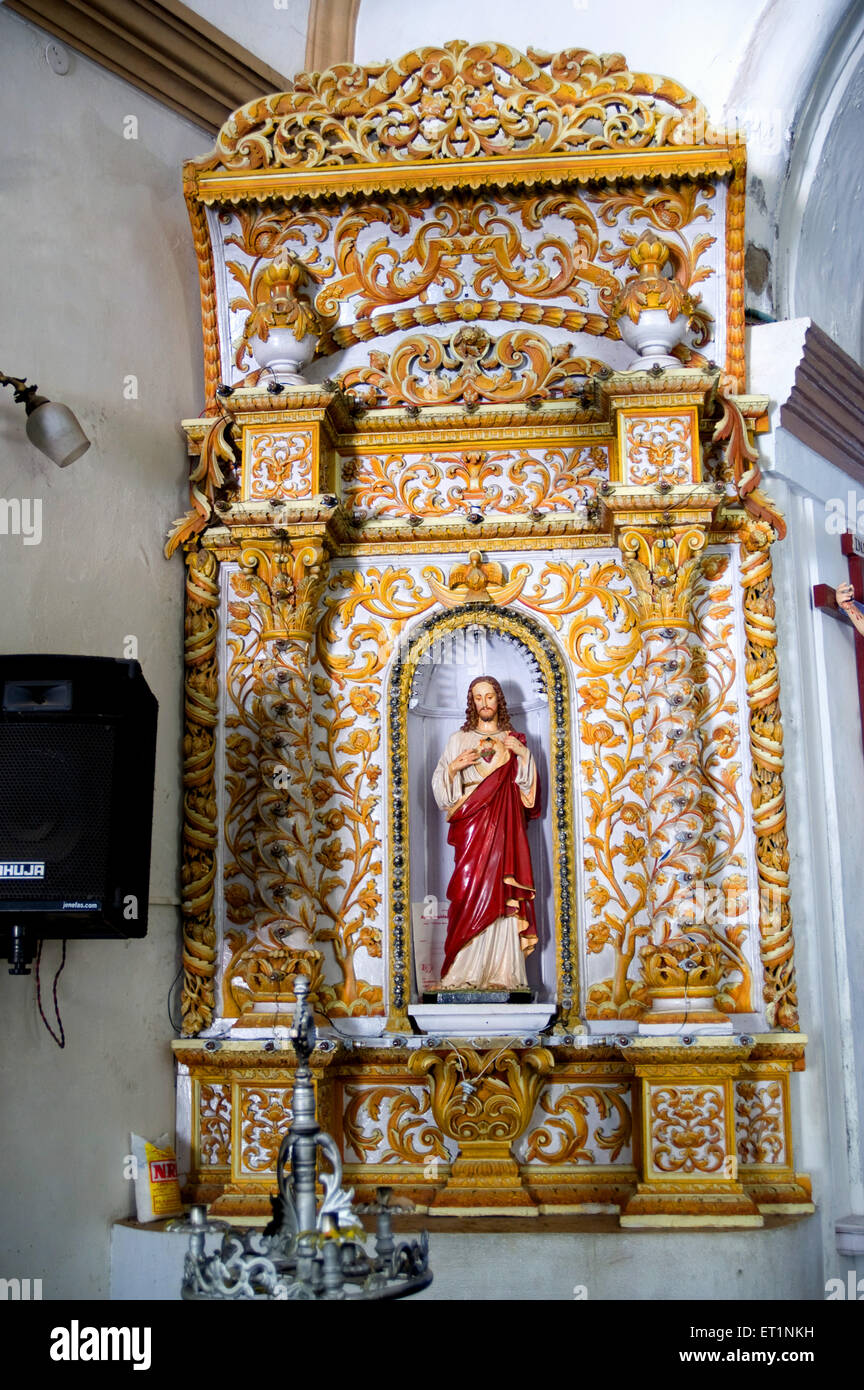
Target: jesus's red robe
x=492, y=876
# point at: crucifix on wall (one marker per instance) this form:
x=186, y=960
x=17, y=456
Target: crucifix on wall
x=849, y=599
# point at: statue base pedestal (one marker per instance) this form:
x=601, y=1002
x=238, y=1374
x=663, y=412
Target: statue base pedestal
x=481, y=1019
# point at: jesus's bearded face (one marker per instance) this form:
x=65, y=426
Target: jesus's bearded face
x=485, y=703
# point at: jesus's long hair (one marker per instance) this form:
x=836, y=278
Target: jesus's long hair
x=471, y=719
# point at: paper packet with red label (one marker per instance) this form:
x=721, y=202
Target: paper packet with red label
x=157, y=1191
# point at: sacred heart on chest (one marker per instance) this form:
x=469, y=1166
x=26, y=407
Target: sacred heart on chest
x=487, y=749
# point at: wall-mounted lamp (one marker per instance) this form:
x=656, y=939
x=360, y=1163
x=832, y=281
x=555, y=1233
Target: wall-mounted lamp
x=51, y=427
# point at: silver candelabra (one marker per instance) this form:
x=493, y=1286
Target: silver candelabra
x=308, y=1251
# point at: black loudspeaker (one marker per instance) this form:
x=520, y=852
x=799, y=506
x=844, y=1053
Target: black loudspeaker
x=77, y=760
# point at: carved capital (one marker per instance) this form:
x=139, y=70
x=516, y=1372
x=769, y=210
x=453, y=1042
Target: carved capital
x=288, y=578
x=663, y=569
x=483, y=1097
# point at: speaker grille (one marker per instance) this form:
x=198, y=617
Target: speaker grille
x=55, y=800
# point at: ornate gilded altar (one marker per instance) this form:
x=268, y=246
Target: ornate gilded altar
x=422, y=288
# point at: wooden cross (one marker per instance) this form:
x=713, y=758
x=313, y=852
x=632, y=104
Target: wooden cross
x=824, y=597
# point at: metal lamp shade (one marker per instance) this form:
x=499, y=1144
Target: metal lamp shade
x=56, y=432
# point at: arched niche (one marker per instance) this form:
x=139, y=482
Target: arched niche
x=426, y=703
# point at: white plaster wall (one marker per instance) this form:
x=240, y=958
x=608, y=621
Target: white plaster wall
x=631, y=1266
x=274, y=30
x=702, y=51
x=824, y=778
x=100, y=282
x=784, y=62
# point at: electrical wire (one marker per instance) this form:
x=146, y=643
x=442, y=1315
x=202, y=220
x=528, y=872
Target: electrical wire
x=177, y=1026
x=61, y=1041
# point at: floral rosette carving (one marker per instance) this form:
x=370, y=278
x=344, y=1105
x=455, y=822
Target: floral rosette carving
x=687, y=1128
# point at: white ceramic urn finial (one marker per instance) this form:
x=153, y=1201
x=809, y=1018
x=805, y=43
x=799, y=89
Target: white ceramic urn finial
x=283, y=329
x=653, y=310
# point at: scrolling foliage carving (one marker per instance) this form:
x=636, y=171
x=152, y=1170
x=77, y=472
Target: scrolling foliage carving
x=422, y=260
x=472, y=366
x=455, y=102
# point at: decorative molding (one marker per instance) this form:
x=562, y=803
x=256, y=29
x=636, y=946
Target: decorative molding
x=472, y=366
x=458, y=101
x=331, y=33
x=163, y=48
x=825, y=407
x=568, y=136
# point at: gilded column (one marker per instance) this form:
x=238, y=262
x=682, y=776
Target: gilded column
x=768, y=795
x=287, y=579
x=200, y=829
x=681, y=974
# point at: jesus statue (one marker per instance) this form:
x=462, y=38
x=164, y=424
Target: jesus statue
x=486, y=782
